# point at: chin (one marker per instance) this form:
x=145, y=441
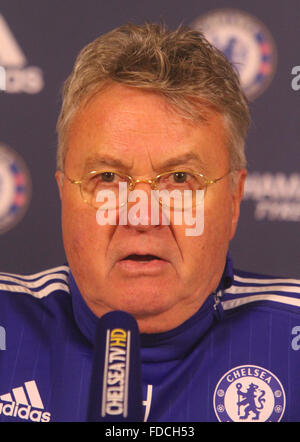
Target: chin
x=142, y=302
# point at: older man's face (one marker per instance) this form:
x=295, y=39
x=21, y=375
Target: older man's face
x=139, y=130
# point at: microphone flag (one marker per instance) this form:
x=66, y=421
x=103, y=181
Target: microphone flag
x=116, y=381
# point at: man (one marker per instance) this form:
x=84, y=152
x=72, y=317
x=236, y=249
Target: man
x=152, y=110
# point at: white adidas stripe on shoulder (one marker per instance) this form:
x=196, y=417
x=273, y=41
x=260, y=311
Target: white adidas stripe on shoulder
x=37, y=275
x=233, y=303
x=16, y=283
x=35, y=283
x=266, y=280
x=280, y=290
x=40, y=294
x=238, y=290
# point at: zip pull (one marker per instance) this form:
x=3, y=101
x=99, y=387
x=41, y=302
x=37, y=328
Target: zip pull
x=218, y=305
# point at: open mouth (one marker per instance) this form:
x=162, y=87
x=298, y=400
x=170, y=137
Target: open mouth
x=138, y=264
x=143, y=258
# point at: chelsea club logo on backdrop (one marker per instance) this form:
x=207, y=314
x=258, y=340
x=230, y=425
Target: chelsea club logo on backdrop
x=15, y=188
x=249, y=393
x=247, y=44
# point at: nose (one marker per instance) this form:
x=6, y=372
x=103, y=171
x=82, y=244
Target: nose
x=143, y=210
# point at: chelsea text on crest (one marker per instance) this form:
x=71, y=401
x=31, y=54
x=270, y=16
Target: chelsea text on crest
x=249, y=371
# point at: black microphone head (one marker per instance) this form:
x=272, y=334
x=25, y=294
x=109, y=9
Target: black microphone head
x=116, y=382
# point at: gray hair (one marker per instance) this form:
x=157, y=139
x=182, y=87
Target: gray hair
x=180, y=65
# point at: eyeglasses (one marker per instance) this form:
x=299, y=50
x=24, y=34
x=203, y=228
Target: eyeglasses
x=175, y=182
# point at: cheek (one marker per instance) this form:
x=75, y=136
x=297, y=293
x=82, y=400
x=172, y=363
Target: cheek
x=213, y=242
x=84, y=239
x=217, y=231
x=218, y=219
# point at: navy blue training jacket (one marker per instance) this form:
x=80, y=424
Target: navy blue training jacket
x=236, y=359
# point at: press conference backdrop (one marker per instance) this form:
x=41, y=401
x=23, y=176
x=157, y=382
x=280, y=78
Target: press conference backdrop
x=39, y=40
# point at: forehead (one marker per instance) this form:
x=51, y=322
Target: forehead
x=136, y=127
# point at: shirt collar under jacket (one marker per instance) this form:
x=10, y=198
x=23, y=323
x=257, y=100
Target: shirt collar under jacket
x=210, y=312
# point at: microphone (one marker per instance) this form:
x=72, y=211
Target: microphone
x=116, y=382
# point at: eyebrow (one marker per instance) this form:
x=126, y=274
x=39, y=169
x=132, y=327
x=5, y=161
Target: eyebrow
x=185, y=158
x=107, y=160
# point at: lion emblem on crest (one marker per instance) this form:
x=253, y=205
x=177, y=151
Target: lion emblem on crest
x=249, y=400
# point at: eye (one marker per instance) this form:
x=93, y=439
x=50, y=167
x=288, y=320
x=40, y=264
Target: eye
x=99, y=180
x=106, y=177
x=181, y=180
x=180, y=177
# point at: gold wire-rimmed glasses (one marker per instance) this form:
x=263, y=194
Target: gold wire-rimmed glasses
x=176, y=182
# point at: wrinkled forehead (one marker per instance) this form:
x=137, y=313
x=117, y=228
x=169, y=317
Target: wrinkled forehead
x=128, y=127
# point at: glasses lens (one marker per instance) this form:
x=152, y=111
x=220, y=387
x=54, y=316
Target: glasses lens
x=104, y=190
x=179, y=189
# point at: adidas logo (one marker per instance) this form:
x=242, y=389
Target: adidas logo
x=25, y=403
x=16, y=76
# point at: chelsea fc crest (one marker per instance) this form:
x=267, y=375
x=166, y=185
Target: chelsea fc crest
x=15, y=188
x=247, y=44
x=249, y=393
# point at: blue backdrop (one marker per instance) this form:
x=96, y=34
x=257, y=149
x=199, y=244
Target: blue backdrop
x=39, y=40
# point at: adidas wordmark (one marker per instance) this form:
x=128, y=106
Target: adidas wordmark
x=25, y=403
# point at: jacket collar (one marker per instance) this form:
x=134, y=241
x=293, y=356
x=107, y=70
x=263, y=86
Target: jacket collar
x=87, y=321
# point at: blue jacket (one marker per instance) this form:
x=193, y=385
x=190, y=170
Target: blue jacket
x=236, y=359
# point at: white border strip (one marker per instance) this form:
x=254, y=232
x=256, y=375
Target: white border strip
x=104, y=385
x=127, y=367
x=147, y=402
x=233, y=303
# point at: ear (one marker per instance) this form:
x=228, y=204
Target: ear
x=237, y=195
x=59, y=176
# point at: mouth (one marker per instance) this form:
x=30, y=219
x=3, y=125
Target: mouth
x=141, y=258
x=142, y=265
